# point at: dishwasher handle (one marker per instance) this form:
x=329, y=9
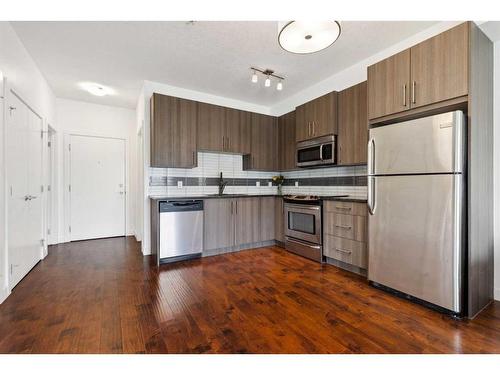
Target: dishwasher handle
x=176, y=206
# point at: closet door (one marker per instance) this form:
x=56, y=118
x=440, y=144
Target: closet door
x=34, y=221
x=24, y=165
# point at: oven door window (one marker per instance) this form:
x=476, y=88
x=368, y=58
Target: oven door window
x=300, y=222
x=305, y=155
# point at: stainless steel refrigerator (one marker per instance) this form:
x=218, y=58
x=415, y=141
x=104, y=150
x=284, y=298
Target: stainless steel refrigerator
x=416, y=201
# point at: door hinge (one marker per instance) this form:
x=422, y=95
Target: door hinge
x=48, y=231
x=69, y=147
x=49, y=144
x=41, y=188
x=48, y=187
x=42, y=242
x=70, y=229
x=41, y=133
x=11, y=191
x=11, y=266
x=69, y=188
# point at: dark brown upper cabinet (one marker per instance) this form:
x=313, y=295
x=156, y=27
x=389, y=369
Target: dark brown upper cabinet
x=430, y=72
x=238, y=131
x=317, y=117
x=353, y=125
x=173, y=132
x=264, y=149
x=223, y=129
x=286, y=142
x=388, y=84
x=211, y=127
x=439, y=67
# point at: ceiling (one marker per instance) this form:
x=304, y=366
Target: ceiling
x=212, y=57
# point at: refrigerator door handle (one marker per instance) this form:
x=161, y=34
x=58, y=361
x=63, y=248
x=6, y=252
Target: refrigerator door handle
x=371, y=170
x=371, y=195
x=371, y=156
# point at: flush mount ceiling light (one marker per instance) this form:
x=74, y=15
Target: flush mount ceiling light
x=304, y=37
x=96, y=89
x=268, y=73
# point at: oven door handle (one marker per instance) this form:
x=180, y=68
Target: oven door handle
x=303, y=243
x=302, y=207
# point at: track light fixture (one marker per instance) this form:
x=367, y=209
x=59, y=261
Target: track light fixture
x=269, y=74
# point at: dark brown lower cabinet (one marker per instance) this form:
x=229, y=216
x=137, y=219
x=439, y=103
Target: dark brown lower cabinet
x=345, y=232
x=279, y=219
x=218, y=224
x=234, y=222
x=246, y=213
x=267, y=222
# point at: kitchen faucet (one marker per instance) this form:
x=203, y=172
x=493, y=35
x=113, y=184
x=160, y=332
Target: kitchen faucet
x=222, y=184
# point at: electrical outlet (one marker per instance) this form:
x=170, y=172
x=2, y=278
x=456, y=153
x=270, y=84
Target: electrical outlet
x=179, y=184
x=270, y=184
x=296, y=183
x=257, y=183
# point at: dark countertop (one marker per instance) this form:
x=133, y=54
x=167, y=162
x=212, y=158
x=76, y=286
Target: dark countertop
x=330, y=198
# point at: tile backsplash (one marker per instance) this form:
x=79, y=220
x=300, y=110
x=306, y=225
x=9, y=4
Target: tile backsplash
x=203, y=179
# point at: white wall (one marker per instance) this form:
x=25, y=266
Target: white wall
x=496, y=132
x=76, y=117
x=26, y=80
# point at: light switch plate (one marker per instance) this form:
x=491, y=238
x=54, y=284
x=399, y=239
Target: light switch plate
x=296, y=183
x=257, y=183
x=179, y=184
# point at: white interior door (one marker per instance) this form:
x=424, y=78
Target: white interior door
x=24, y=171
x=97, y=187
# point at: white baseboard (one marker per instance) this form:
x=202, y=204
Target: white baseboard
x=496, y=294
x=4, y=293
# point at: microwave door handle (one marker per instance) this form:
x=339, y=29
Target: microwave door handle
x=321, y=152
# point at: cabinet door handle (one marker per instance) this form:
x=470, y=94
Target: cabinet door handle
x=231, y=207
x=314, y=127
x=236, y=203
x=194, y=157
x=343, y=208
x=348, y=227
x=343, y=251
x=404, y=95
x=227, y=144
x=309, y=128
x=413, y=92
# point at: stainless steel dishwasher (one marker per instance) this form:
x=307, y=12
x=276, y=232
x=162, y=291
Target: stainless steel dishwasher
x=181, y=230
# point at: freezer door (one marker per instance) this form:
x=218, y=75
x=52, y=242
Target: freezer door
x=415, y=236
x=427, y=145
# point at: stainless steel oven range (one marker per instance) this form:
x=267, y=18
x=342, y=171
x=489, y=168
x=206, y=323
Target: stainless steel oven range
x=303, y=226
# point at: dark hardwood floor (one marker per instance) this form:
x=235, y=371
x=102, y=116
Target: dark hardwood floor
x=102, y=296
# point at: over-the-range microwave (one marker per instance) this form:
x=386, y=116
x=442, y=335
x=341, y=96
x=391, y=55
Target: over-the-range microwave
x=318, y=151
